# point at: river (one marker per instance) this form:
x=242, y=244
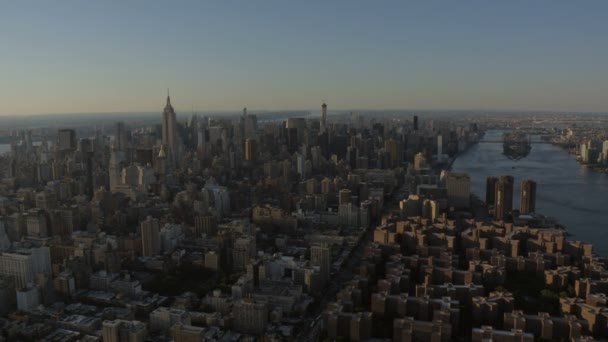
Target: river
x=576, y=196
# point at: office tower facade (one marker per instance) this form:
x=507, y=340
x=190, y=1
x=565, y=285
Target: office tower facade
x=250, y=125
x=114, y=168
x=301, y=165
x=528, y=196
x=459, y=190
x=120, y=136
x=169, y=129
x=491, y=190
x=150, y=237
x=205, y=224
x=250, y=150
x=66, y=139
x=439, y=148
x=393, y=149
x=202, y=138
x=415, y=122
x=503, y=200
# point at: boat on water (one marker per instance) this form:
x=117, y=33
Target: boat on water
x=516, y=145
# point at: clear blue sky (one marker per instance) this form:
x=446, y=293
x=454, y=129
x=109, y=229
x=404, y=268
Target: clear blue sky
x=92, y=56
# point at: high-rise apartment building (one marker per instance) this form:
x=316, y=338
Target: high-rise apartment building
x=491, y=190
x=528, y=196
x=503, y=200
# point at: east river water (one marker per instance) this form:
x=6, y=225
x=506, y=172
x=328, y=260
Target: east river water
x=567, y=191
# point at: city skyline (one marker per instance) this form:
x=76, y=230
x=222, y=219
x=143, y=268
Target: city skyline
x=340, y=171
x=77, y=57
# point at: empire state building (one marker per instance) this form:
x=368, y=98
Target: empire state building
x=169, y=129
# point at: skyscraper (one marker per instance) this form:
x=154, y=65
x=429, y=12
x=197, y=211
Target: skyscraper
x=503, y=200
x=150, y=237
x=115, y=167
x=490, y=190
x=250, y=150
x=323, y=116
x=201, y=147
x=250, y=125
x=439, y=148
x=169, y=129
x=528, y=196
x=66, y=139
x=120, y=136
x=415, y=122
x=321, y=256
x=394, y=152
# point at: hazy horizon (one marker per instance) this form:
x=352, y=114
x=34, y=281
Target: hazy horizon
x=113, y=56
x=203, y=112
